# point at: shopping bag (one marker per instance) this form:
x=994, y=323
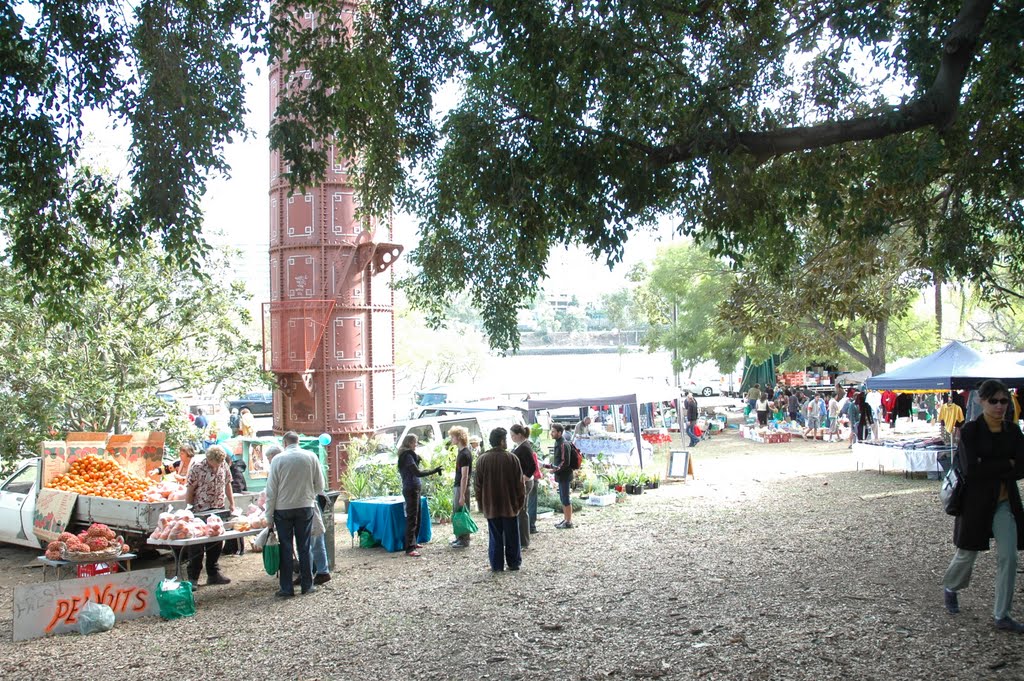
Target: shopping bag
x=94, y=618
x=366, y=540
x=462, y=522
x=175, y=599
x=272, y=554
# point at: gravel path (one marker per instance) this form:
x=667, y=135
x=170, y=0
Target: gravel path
x=773, y=564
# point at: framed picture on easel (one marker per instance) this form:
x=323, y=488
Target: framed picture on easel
x=679, y=465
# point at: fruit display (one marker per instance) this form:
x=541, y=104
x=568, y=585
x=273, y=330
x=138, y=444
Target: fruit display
x=167, y=490
x=99, y=477
x=98, y=539
x=184, y=525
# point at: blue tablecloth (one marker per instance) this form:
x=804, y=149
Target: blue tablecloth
x=384, y=517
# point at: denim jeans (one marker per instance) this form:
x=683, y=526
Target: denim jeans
x=294, y=526
x=693, y=435
x=318, y=551
x=531, y=506
x=504, y=543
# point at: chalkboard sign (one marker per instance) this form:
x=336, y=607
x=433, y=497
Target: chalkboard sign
x=679, y=465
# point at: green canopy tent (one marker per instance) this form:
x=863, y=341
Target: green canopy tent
x=763, y=374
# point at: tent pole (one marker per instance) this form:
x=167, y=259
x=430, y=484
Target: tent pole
x=636, y=434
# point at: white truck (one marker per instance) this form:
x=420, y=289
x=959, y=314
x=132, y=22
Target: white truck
x=135, y=520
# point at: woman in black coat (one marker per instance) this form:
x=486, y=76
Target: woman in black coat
x=991, y=458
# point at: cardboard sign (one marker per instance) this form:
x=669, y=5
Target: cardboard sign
x=52, y=607
x=54, y=460
x=136, y=452
x=53, y=512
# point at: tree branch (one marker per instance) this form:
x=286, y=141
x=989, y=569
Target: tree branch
x=936, y=107
x=843, y=343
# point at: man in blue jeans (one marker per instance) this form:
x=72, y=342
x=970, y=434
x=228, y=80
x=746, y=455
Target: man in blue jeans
x=294, y=480
x=500, y=495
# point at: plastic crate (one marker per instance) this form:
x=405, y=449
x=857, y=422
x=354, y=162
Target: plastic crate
x=96, y=569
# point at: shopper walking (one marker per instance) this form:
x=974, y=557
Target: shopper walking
x=690, y=405
x=294, y=480
x=409, y=468
x=500, y=494
x=991, y=457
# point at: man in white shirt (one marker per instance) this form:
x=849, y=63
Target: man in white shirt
x=295, y=479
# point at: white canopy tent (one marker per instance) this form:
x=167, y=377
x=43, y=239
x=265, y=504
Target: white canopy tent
x=633, y=396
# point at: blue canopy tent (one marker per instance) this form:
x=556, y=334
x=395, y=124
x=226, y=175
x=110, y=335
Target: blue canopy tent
x=954, y=367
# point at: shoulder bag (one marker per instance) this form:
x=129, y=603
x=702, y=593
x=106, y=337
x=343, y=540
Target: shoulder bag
x=952, y=491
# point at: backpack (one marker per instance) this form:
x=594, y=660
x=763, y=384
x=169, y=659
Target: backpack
x=577, y=456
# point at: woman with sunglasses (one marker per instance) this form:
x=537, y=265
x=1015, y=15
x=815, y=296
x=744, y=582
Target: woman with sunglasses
x=991, y=458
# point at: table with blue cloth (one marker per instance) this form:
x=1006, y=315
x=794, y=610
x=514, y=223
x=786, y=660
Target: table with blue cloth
x=384, y=518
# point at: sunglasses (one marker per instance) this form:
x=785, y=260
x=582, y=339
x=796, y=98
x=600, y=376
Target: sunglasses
x=1001, y=400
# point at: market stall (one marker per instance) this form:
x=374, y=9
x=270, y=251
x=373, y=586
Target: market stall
x=631, y=397
x=384, y=518
x=953, y=367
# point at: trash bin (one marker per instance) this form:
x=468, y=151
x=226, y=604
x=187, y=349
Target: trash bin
x=329, y=527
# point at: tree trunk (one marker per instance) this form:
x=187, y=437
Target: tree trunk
x=937, y=278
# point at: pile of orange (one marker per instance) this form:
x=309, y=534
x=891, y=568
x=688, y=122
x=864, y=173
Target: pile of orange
x=99, y=477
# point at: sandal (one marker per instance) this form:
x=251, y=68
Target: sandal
x=413, y=554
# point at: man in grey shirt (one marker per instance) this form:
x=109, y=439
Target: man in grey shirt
x=295, y=479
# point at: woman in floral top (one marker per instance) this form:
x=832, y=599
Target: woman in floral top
x=208, y=487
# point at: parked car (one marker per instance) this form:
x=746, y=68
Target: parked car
x=430, y=431
x=706, y=388
x=259, y=403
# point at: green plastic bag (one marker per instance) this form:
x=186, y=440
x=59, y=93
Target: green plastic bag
x=272, y=555
x=462, y=522
x=175, y=599
x=366, y=540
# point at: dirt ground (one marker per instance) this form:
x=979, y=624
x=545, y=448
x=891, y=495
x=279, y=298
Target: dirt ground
x=776, y=562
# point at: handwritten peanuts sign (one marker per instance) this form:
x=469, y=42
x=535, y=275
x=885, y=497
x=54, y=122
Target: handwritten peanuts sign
x=53, y=607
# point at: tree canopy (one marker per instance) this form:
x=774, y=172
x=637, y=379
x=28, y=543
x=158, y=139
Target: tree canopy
x=576, y=123
x=581, y=122
x=149, y=328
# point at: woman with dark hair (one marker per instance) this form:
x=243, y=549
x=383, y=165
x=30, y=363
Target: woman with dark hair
x=409, y=468
x=991, y=458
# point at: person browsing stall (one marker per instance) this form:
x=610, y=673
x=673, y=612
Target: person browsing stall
x=528, y=464
x=294, y=480
x=463, y=469
x=563, y=474
x=500, y=494
x=208, y=488
x=991, y=458
x=409, y=468
x=186, y=453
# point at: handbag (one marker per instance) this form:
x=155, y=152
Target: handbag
x=952, y=491
x=272, y=555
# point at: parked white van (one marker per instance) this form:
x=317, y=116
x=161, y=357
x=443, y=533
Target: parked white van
x=430, y=431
